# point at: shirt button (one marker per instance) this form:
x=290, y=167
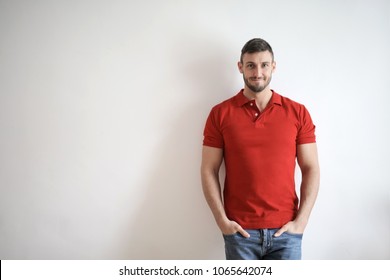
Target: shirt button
x=251, y=104
x=256, y=114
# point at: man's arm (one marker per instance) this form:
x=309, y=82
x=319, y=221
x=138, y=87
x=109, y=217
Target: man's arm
x=211, y=163
x=308, y=162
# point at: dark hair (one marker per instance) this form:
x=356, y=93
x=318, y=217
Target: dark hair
x=256, y=45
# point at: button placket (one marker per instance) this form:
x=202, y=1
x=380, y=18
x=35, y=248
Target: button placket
x=253, y=111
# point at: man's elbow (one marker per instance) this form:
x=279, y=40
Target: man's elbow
x=311, y=171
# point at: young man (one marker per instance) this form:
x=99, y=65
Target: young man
x=260, y=134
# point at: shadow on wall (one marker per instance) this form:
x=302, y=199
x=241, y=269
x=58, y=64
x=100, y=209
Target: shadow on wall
x=174, y=221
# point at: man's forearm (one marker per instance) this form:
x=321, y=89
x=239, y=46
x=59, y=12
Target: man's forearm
x=213, y=195
x=212, y=192
x=309, y=190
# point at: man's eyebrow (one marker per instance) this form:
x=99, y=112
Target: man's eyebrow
x=262, y=62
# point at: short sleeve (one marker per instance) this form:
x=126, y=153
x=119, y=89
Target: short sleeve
x=306, y=132
x=212, y=135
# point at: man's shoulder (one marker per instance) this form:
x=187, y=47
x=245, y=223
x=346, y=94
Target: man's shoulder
x=231, y=101
x=289, y=102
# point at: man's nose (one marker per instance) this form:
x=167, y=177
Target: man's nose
x=257, y=72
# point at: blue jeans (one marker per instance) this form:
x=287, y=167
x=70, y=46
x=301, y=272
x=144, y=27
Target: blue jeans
x=262, y=245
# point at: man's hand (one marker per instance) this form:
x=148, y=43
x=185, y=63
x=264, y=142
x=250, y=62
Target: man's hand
x=291, y=227
x=231, y=227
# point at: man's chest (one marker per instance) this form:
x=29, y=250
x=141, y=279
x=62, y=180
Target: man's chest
x=272, y=128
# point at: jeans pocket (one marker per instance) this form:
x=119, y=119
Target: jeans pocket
x=298, y=235
x=230, y=235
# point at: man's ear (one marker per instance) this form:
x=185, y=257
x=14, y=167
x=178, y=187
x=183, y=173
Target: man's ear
x=239, y=64
x=273, y=66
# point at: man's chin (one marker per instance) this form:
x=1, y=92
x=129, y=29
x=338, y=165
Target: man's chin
x=257, y=90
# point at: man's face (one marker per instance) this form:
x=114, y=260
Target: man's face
x=257, y=69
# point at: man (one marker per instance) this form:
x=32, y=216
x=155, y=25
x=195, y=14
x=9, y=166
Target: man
x=260, y=134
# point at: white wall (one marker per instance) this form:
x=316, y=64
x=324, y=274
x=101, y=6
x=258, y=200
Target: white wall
x=102, y=108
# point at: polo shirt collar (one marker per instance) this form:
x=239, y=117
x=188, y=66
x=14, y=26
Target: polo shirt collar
x=241, y=99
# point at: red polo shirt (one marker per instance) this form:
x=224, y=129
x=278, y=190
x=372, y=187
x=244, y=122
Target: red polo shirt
x=260, y=153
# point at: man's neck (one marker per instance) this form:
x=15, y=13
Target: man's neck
x=261, y=98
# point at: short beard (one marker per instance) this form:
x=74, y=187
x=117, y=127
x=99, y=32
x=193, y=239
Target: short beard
x=257, y=89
